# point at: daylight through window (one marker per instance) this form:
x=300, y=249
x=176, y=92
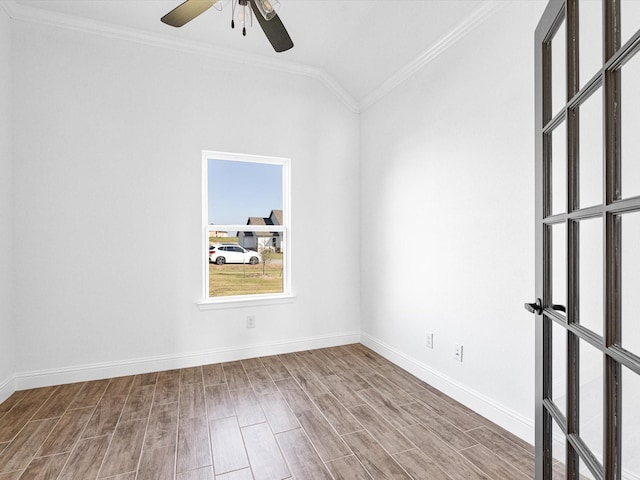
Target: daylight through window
x=246, y=215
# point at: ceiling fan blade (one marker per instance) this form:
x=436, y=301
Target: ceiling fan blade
x=274, y=30
x=187, y=11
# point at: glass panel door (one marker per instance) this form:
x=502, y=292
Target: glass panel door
x=588, y=240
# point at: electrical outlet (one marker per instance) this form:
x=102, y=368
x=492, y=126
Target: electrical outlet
x=251, y=321
x=457, y=353
x=429, y=343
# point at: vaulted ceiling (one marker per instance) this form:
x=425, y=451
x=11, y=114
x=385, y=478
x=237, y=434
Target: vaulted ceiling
x=358, y=45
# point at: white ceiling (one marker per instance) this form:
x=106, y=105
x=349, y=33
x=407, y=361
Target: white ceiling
x=360, y=44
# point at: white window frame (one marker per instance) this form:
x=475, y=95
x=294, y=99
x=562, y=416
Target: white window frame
x=284, y=230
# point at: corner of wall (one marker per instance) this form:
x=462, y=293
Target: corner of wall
x=7, y=334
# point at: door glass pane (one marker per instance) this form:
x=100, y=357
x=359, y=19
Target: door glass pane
x=558, y=451
x=559, y=70
x=591, y=150
x=630, y=279
x=559, y=264
x=630, y=425
x=591, y=364
x=559, y=367
x=590, y=39
x=585, y=472
x=630, y=126
x=559, y=169
x=591, y=265
x=630, y=13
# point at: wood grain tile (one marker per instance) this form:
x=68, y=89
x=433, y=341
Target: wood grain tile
x=16, y=418
x=194, y=449
x=86, y=458
x=11, y=475
x=338, y=416
x=454, y=437
x=247, y=407
x=315, y=365
x=389, y=390
x=342, y=391
x=296, y=398
x=105, y=417
x=374, y=458
x=284, y=410
x=66, y=432
x=227, y=445
x=45, y=468
x=157, y=463
x=264, y=454
x=301, y=457
x=451, y=462
x=162, y=429
x=391, y=412
x=351, y=377
x=278, y=413
x=389, y=437
x=403, y=379
x=124, y=451
x=252, y=363
x=236, y=376
x=90, y=394
x=322, y=435
x=145, y=379
x=119, y=386
x=191, y=375
x=261, y=381
x=19, y=453
x=276, y=368
x=505, y=449
x=419, y=465
x=348, y=468
x=495, y=467
x=192, y=400
x=218, y=401
x=308, y=382
x=59, y=401
x=167, y=388
x=290, y=361
x=12, y=401
x=138, y=403
x=244, y=474
x=213, y=374
x=204, y=473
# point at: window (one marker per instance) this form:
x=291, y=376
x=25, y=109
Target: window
x=246, y=228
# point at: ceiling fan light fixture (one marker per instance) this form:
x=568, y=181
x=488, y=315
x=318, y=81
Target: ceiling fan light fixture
x=220, y=4
x=267, y=8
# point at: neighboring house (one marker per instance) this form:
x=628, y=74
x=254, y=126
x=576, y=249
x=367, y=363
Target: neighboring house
x=261, y=240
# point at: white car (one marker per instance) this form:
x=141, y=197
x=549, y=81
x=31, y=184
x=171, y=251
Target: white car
x=232, y=253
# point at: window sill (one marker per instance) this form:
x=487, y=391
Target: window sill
x=239, y=302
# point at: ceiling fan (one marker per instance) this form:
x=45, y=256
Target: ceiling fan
x=263, y=10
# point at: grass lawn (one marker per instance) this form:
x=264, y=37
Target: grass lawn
x=232, y=279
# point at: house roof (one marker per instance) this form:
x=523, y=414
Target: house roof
x=275, y=215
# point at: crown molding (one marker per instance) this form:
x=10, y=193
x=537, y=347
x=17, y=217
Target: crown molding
x=486, y=10
x=36, y=15
x=70, y=22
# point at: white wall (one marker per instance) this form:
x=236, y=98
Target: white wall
x=108, y=147
x=448, y=166
x=7, y=365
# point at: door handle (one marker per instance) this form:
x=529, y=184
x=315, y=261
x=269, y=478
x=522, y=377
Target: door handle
x=535, y=308
x=559, y=308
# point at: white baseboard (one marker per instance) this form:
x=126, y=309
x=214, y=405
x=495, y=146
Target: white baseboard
x=7, y=387
x=83, y=373
x=512, y=421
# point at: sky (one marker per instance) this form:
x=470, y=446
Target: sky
x=239, y=190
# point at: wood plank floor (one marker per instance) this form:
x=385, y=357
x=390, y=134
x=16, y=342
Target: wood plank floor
x=333, y=413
